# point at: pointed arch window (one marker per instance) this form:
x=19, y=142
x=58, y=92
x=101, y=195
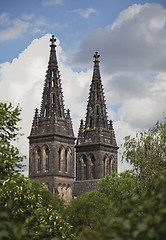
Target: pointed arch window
x=69, y=194
x=82, y=168
x=64, y=192
x=46, y=111
x=91, y=122
x=67, y=159
x=60, y=191
x=61, y=157
x=60, y=112
x=38, y=159
x=92, y=176
x=106, y=165
x=91, y=167
x=97, y=109
x=45, y=158
x=53, y=98
x=113, y=166
x=97, y=91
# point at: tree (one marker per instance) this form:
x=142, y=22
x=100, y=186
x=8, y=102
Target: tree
x=87, y=210
x=147, y=153
x=119, y=186
x=27, y=208
x=137, y=200
x=32, y=208
x=134, y=219
x=10, y=158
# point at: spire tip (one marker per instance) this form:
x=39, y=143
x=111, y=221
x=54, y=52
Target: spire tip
x=96, y=57
x=52, y=40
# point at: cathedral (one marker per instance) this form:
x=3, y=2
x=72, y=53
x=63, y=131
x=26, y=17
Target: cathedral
x=70, y=166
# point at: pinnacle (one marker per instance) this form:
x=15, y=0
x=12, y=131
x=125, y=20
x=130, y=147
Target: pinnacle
x=52, y=102
x=96, y=71
x=96, y=57
x=52, y=40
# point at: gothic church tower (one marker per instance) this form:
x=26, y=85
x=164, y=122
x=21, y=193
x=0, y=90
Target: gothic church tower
x=51, y=141
x=96, y=148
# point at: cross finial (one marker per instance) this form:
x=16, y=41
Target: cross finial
x=52, y=40
x=96, y=57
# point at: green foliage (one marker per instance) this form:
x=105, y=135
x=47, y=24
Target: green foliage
x=10, y=158
x=139, y=218
x=137, y=202
x=21, y=196
x=147, y=153
x=9, y=117
x=8, y=228
x=120, y=186
x=27, y=208
x=47, y=223
x=34, y=209
x=87, y=210
x=130, y=205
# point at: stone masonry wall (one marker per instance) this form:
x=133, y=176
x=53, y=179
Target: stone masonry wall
x=81, y=187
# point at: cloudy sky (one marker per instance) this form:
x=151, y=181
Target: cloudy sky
x=130, y=37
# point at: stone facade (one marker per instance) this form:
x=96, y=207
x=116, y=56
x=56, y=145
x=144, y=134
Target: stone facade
x=81, y=187
x=52, y=141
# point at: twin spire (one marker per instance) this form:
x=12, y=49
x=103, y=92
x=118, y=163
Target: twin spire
x=52, y=100
x=96, y=128
x=52, y=118
x=96, y=116
x=52, y=106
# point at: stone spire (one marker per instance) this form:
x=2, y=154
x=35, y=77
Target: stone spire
x=96, y=71
x=68, y=118
x=35, y=121
x=96, y=116
x=113, y=139
x=52, y=99
x=81, y=132
x=96, y=148
x=36, y=118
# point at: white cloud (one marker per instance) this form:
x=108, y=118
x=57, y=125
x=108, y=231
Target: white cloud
x=28, y=17
x=135, y=45
x=18, y=27
x=15, y=30
x=123, y=129
x=127, y=15
x=22, y=82
x=133, y=63
x=133, y=71
x=52, y=2
x=85, y=13
x=4, y=20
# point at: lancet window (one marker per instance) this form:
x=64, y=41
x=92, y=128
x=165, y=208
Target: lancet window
x=113, y=165
x=61, y=157
x=46, y=158
x=67, y=159
x=91, y=167
x=106, y=165
x=38, y=158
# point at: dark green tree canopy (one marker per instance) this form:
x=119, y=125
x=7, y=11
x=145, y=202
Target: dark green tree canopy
x=10, y=157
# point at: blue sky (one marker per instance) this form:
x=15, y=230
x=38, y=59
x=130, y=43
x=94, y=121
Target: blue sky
x=129, y=35
x=67, y=19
